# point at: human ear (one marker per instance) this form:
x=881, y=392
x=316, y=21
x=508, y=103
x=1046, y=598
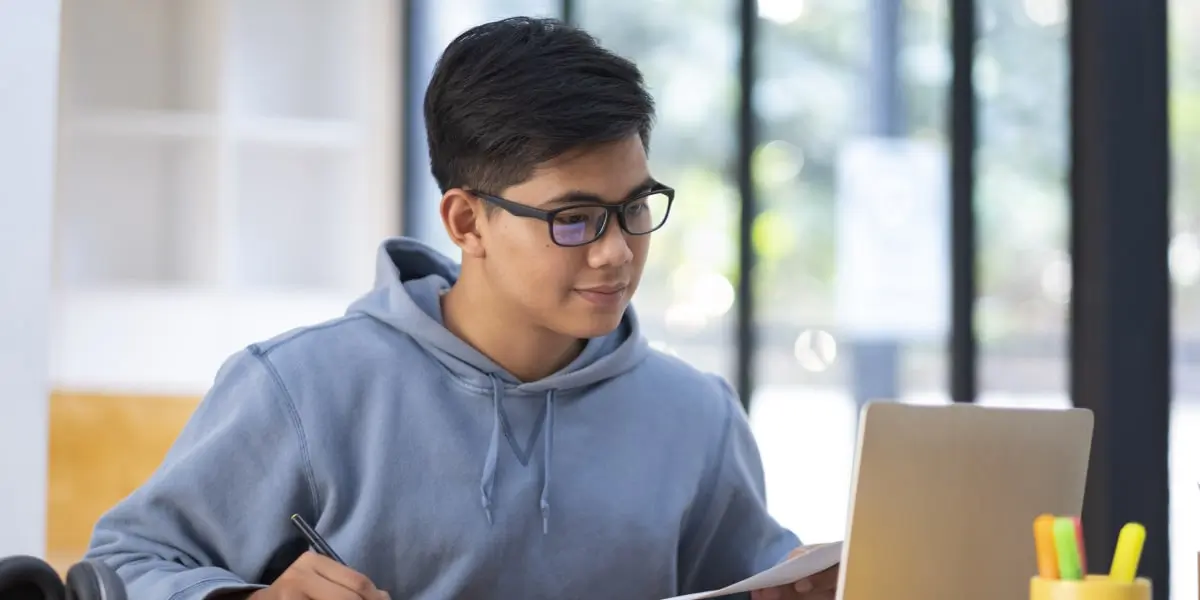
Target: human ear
x=465, y=221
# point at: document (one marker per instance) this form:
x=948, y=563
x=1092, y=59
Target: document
x=809, y=560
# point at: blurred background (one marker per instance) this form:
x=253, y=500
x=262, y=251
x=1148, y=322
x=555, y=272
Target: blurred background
x=224, y=170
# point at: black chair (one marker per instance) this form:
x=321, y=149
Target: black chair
x=30, y=578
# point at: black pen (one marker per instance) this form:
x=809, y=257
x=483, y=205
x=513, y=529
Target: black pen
x=318, y=543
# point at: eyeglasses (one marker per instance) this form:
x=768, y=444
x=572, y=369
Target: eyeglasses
x=583, y=223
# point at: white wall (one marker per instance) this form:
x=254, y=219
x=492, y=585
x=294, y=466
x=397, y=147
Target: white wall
x=28, y=99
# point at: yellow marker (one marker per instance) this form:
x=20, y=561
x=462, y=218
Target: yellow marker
x=1043, y=543
x=1128, y=553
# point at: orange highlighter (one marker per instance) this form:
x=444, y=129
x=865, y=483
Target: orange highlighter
x=1043, y=538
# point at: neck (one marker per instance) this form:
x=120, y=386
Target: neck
x=529, y=352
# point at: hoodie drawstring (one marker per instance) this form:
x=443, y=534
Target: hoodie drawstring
x=545, y=503
x=487, y=483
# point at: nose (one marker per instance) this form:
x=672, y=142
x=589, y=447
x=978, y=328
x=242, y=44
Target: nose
x=611, y=250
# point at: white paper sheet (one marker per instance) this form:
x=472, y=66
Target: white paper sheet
x=810, y=561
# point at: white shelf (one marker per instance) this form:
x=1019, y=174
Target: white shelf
x=289, y=234
x=216, y=154
x=146, y=55
x=135, y=210
x=143, y=123
x=300, y=133
x=342, y=134
x=168, y=340
x=295, y=58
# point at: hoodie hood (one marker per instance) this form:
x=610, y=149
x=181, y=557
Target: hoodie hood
x=410, y=278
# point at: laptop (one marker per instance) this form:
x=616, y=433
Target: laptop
x=944, y=498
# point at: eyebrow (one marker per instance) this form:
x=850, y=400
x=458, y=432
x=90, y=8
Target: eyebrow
x=580, y=196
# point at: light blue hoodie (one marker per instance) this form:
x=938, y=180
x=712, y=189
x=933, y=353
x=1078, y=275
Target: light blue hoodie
x=626, y=475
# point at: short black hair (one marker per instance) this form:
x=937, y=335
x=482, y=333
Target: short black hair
x=510, y=94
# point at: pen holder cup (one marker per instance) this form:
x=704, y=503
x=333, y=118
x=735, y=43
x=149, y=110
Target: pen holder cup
x=1094, y=587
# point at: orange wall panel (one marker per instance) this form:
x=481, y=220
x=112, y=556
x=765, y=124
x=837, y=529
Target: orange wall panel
x=102, y=447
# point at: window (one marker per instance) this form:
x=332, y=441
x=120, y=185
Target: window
x=1022, y=202
x=687, y=51
x=1184, y=257
x=853, y=238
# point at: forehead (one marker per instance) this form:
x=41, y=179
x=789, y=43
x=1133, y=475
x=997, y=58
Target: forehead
x=607, y=170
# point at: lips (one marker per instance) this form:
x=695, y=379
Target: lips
x=615, y=288
x=605, y=297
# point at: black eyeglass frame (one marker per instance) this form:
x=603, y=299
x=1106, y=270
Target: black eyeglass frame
x=525, y=211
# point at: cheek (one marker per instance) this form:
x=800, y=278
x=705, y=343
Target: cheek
x=519, y=247
x=536, y=274
x=540, y=281
x=640, y=247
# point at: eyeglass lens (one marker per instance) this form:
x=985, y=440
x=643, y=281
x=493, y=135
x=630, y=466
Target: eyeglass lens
x=581, y=225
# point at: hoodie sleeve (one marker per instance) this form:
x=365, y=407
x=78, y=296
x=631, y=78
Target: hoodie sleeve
x=215, y=515
x=731, y=536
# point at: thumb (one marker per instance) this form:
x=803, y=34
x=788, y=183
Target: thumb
x=766, y=594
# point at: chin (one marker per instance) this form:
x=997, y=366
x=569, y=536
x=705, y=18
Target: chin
x=593, y=324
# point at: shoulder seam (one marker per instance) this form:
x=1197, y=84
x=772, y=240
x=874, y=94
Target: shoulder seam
x=265, y=348
x=289, y=406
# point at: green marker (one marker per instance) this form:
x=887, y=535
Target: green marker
x=1066, y=547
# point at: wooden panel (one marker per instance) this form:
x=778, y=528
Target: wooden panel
x=102, y=447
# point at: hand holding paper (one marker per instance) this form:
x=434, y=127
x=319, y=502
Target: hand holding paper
x=805, y=562
x=820, y=586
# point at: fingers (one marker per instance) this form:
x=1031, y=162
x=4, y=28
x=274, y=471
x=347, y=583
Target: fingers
x=767, y=594
x=344, y=576
x=825, y=580
x=795, y=591
x=320, y=588
x=326, y=579
x=819, y=586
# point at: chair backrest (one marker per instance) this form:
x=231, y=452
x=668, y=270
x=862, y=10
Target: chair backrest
x=31, y=578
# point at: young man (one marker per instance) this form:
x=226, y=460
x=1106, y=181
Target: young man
x=495, y=430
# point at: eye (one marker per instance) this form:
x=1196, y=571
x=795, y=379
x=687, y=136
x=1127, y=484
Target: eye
x=571, y=218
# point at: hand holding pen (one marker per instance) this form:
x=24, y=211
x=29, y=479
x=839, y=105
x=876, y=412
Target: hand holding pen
x=319, y=574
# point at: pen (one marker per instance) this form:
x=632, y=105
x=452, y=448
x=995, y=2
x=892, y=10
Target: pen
x=1068, y=553
x=1128, y=553
x=1043, y=541
x=318, y=543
